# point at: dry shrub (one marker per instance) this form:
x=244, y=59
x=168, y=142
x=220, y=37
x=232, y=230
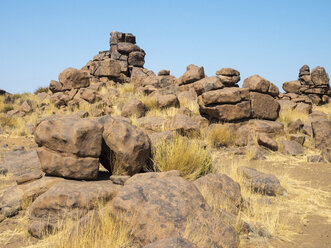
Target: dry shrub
x=149, y=101
x=219, y=135
x=7, y=107
x=288, y=116
x=326, y=108
x=41, y=90
x=125, y=88
x=193, y=106
x=183, y=154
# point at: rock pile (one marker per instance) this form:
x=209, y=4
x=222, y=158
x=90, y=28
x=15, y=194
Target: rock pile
x=310, y=88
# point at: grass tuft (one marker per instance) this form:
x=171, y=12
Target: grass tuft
x=219, y=135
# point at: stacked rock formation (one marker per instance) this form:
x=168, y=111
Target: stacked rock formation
x=310, y=88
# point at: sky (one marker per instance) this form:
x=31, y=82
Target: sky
x=272, y=38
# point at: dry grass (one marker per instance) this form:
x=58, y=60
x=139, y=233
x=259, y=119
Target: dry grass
x=193, y=106
x=149, y=101
x=288, y=116
x=324, y=108
x=219, y=135
x=183, y=154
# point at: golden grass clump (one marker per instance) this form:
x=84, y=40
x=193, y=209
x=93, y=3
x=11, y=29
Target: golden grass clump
x=288, y=116
x=183, y=154
x=149, y=101
x=326, y=108
x=219, y=135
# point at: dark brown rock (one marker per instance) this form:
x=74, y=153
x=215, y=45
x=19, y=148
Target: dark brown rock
x=319, y=76
x=167, y=101
x=264, y=106
x=193, y=73
x=55, y=86
x=137, y=59
x=266, y=141
x=73, y=78
x=291, y=148
x=256, y=83
x=106, y=68
x=184, y=124
x=134, y=107
x=292, y=86
x=228, y=72
x=171, y=243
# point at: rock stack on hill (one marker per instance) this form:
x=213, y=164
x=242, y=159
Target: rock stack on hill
x=310, y=88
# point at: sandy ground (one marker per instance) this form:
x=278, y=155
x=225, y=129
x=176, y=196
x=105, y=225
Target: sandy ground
x=310, y=225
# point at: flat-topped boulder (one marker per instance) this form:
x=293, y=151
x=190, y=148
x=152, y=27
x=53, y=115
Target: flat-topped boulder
x=73, y=78
x=193, y=73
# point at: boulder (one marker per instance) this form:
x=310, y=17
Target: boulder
x=226, y=95
x=319, y=76
x=126, y=150
x=86, y=94
x=184, y=125
x=300, y=138
x=133, y=107
x=295, y=126
x=206, y=84
x=152, y=123
x=322, y=133
x=304, y=71
x=126, y=47
x=264, y=106
x=177, y=207
x=73, y=78
x=80, y=137
x=164, y=73
x=106, y=68
x=220, y=191
x=257, y=83
x=291, y=148
x=266, y=141
x=137, y=59
x=228, y=72
x=286, y=105
x=167, y=101
x=193, y=73
x=176, y=242
x=315, y=159
x=292, y=86
x=138, y=75
x=55, y=86
x=67, y=199
x=303, y=108
x=260, y=182
x=229, y=81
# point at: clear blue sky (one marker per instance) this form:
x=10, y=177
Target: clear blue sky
x=38, y=39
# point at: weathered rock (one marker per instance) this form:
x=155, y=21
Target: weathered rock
x=264, y=106
x=126, y=47
x=129, y=146
x=21, y=162
x=88, y=95
x=303, y=108
x=322, y=133
x=133, y=107
x=58, y=99
x=229, y=81
x=81, y=137
x=184, y=125
x=164, y=73
x=68, y=165
x=315, y=159
x=55, y=86
x=300, y=138
x=20, y=196
x=226, y=95
x=206, y=84
x=266, y=141
x=193, y=73
x=106, y=68
x=273, y=90
x=220, y=191
x=304, y=70
x=152, y=123
x=156, y=138
x=286, y=105
x=171, y=243
x=295, y=126
x=167, y=101
x=228, y=72
x=256, y=83
x=67, y=199
x=227, y=112
x=28, y=177
x=137, y=59
x=180, y=208
x=73, y=78
x=260, y=182
x=138, y=75
x=291, y=148
x=292, y=86
x=319, y=76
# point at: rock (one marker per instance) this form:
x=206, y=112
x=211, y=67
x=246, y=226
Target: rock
x=126, y=47
x=286, y=105
x=156, y=138
x=264, y=106
x=73, y=78
x=30, y=176
x=67, y=199
x=134, y=107
x=292, y=86
x=206, y=84
x=295, y=126
x=21, y=162
x=229, y=81
x=68, y=165
x=273, y=90
x=264, y=126
x=256, y=83
x=201, y=121
x=20, y=196
x=303, y=108
x=228, y=72
x=220, y=191
x=26, y=106
x=193, y=73
x=255, y=152
x=291, y=148
x=300, y=138
x=180, y=208
x=322, y=133
x=138, y=75
x=316, y=99
x=80, y=137
x=106, y=68
x=184, y=125
x=266, y=141
x=227, y=112
x=171, y=243
x=167, y=101
x=137, y=59
x=260, y=182
x=164, y=73
x=319, y=76
x=315, y=159
x=59, y=99
x=88, y=95
x=226, y=95
x=120, y=180
x=152, y=123
x=55, y=86
x=304, y=70
x=42, y=96
x=327, y=154
x=129, y=147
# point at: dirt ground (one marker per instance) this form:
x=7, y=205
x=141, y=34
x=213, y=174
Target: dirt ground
x=308, y=216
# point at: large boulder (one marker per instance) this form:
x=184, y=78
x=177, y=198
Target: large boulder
x=322, y=133
x=228, y=76
x=204, y=85
x=69, y=146
x=73, y=78
x=67, y=199
x=319, y=76
x=291, y=147
x=292, y=86
x=136, y=58
x=126, y=148
x=257, y=83
x=264, y=106
x=138, y=75
x=177, y=208
x=220, y=191
x=260, y=182
x=226, y=95
x=193, y=73
x=133, y=107
x=184, y=124
x=106, y=68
